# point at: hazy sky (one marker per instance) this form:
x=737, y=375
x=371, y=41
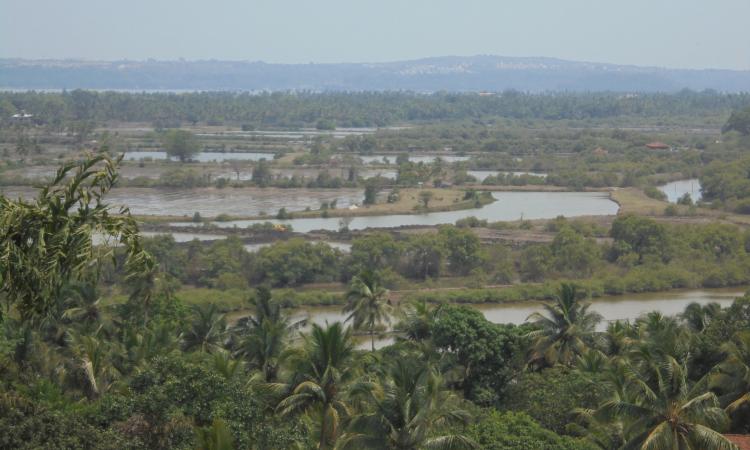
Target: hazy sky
x=672, y=33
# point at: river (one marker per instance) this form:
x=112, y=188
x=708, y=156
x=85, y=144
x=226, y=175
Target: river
x=624, y=307
x=508, y=206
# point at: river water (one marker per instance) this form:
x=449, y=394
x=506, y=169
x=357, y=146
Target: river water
x=508, y=206
x=624, y=307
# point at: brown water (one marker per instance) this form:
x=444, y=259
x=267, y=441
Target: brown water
x=508, y=206
x=624, y=307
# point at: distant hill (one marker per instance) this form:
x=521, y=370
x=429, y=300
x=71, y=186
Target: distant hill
x=450, y=73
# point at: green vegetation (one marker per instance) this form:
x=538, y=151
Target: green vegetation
x=180, y=144
x=131, y=346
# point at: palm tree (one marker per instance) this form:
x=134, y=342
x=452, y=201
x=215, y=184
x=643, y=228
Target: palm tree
x=215, y=437
x=407, y=410
x=698, y=316
x=321, y=370
x=261, y=338
x=561, y=334
x=92, y=364
x=225, y=365
x=206, y=331
x=140, y=345
x=82, y=303
x=661, y=412
x=732, y=377
x=368, y=304
x=417, y=319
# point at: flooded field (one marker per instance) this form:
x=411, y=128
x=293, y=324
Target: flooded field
x=210, y=202
x=200, y=157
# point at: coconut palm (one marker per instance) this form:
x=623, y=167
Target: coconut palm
x=561, y=334
x=661, y=412
x=83, y=305
x=261, y=338
x=368, y=304
x=321, y=371
x=732, y=376
x=140, y=345
x=92, y=362
x=417, y=319
x=206, y=331
x=698, y=317
x=215, y=437
x=407, y=410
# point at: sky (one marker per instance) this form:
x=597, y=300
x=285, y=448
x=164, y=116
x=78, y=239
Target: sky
x=667, y=33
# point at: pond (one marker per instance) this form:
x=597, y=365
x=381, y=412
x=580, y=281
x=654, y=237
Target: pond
x=677, y=189
x=508, y=206
x=200, y=157
x=612, y=308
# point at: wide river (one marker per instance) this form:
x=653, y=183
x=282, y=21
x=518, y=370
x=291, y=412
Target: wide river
x=508, y=206
x=624, y=307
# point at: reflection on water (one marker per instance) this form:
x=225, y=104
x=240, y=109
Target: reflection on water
x=508, y=206
x=677, y=189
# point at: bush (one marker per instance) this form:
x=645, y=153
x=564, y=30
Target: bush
x=655, y=193
x=517, y=431
x=550, y=396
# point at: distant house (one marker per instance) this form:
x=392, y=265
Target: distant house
x=21, y=116
x=658, y=146
x=742, y=441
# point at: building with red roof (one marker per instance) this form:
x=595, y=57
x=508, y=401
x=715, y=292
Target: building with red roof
x=658, y=146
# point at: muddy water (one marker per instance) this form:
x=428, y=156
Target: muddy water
x=508, y=206
x=625, y=307
x=210, y=202
x=201, y=157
